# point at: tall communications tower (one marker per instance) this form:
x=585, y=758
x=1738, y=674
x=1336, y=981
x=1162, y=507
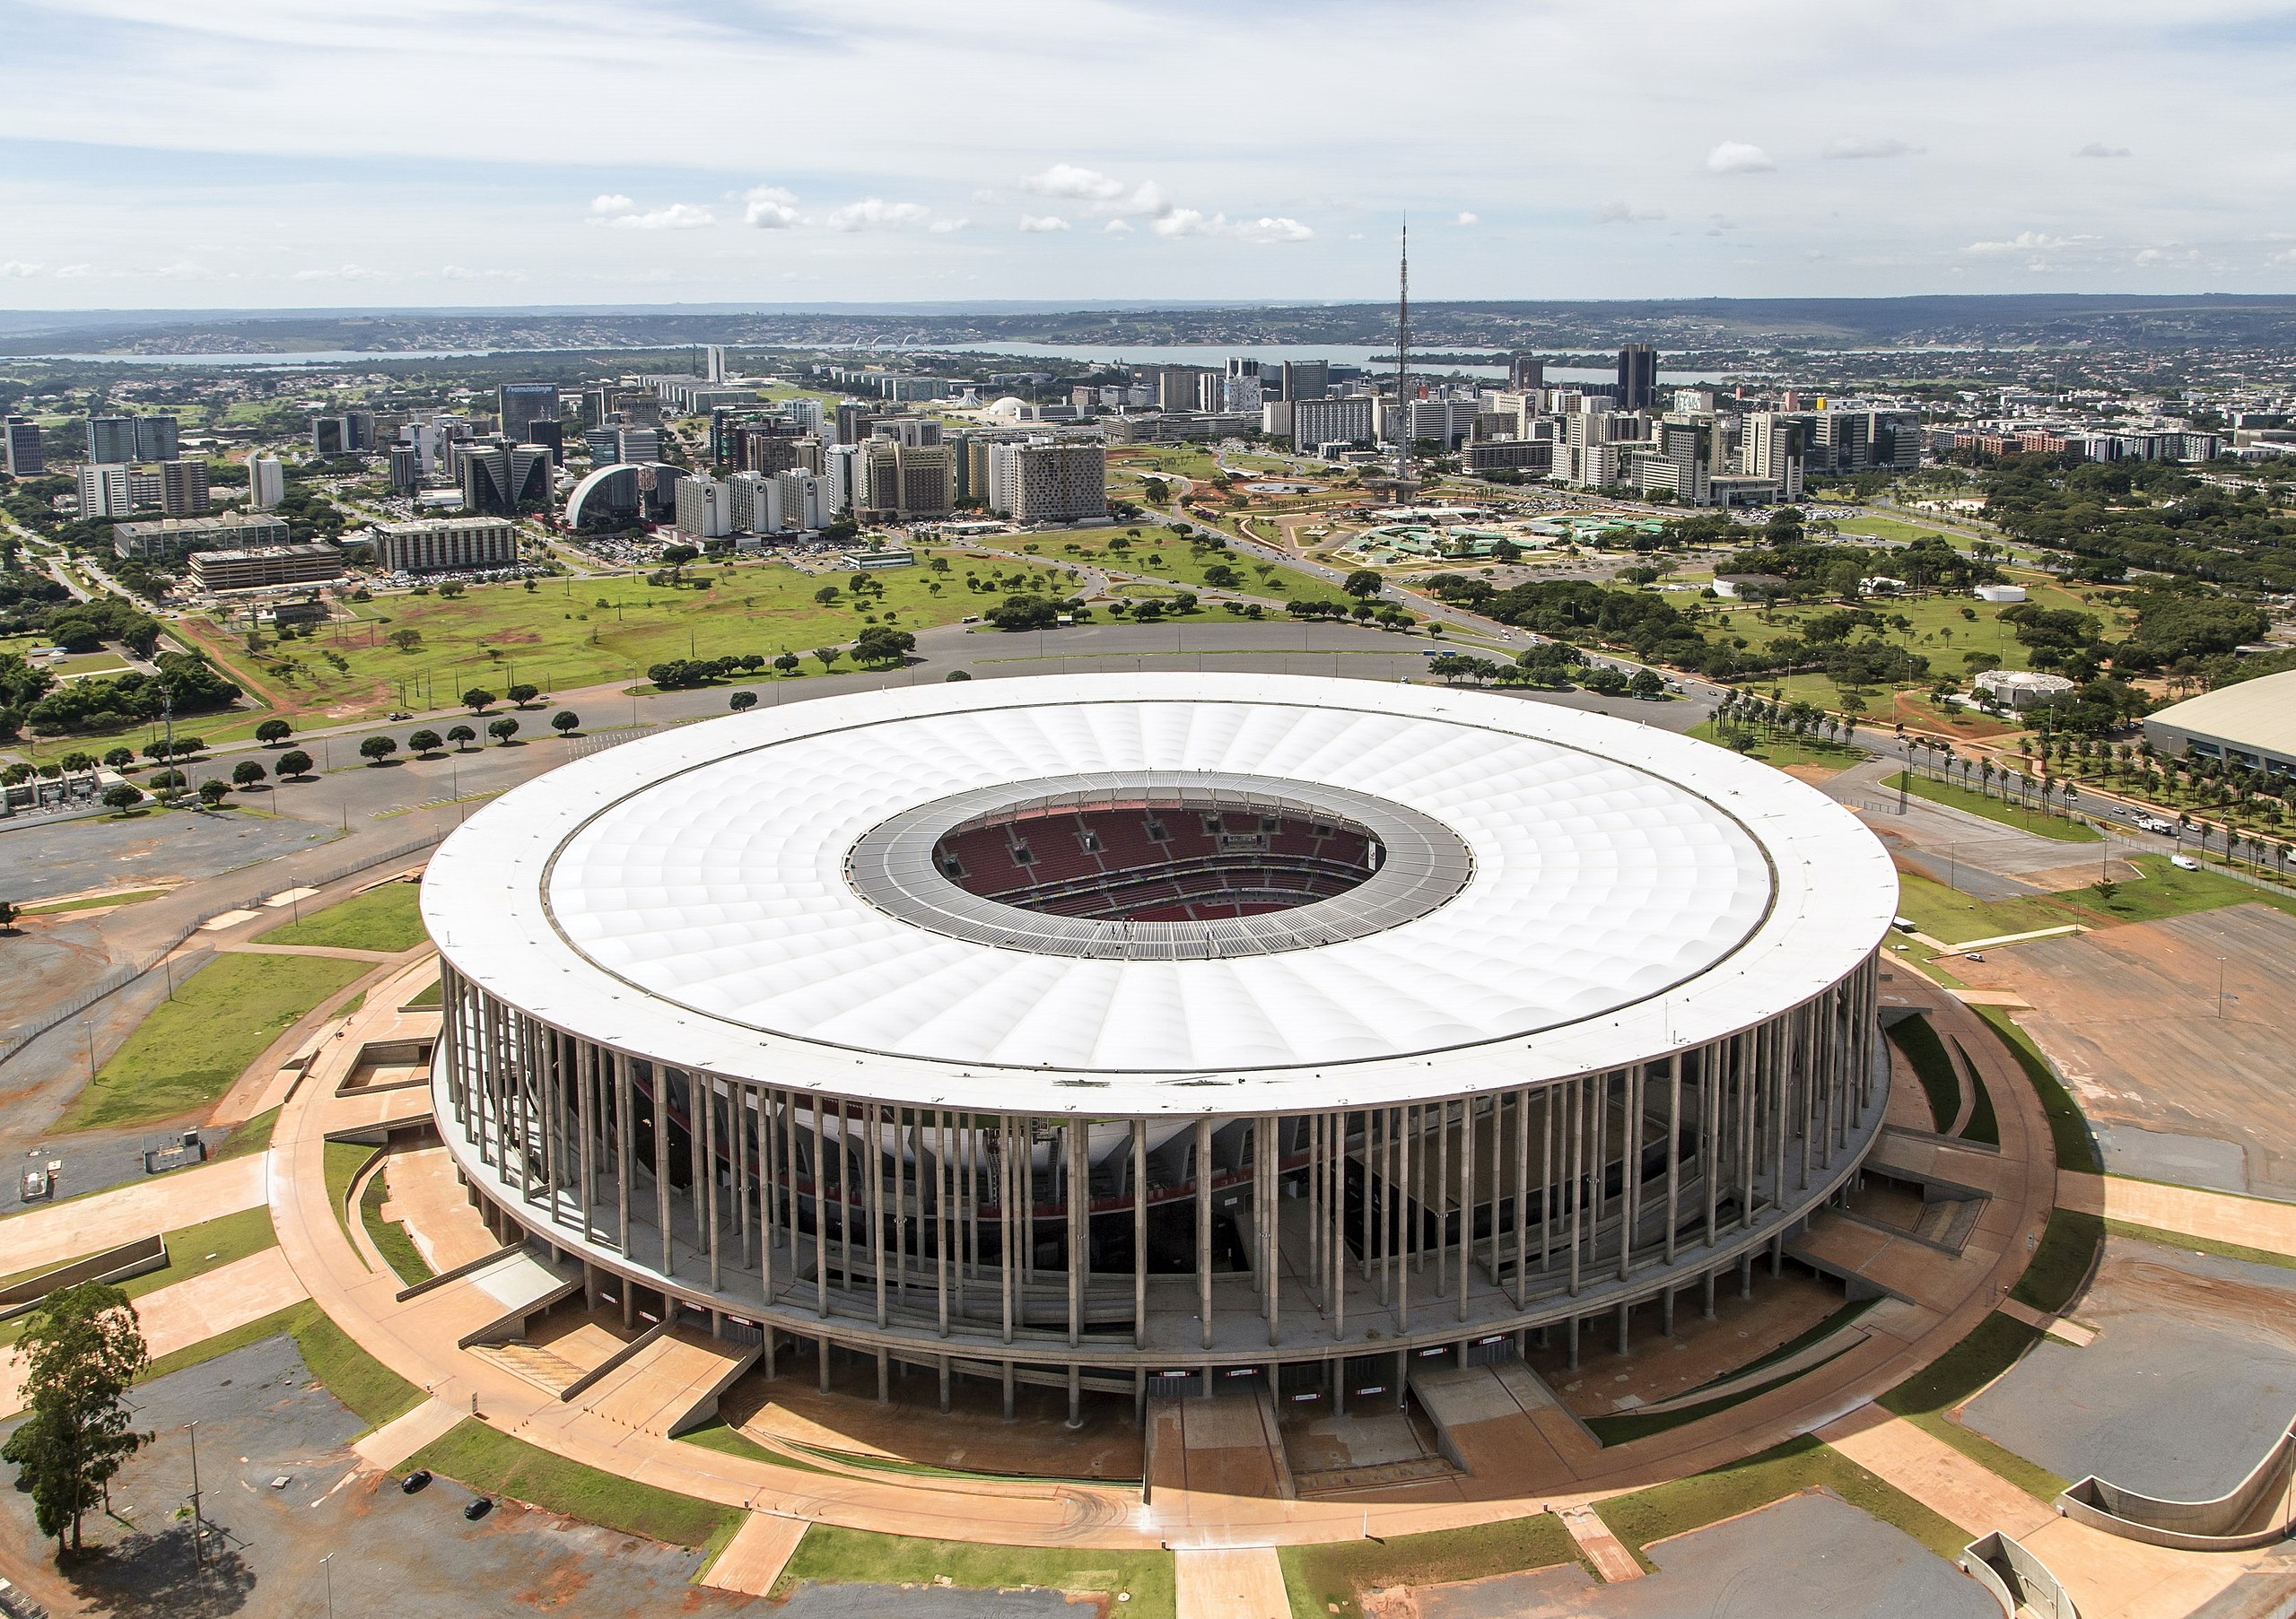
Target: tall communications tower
x=1403, y=370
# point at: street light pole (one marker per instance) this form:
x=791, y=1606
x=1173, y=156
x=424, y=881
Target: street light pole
x=327, y=1563
x=198, y=1548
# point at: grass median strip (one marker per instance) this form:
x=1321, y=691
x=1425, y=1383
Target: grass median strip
x=2043, y=823
x=474, y=1454
x=391, y=1238
x=1331, y=1577
x=1984, y=1124
x=344, y=1160
x=1926, y=1053
x=2067, y=1253
x=833, y=1556
x=387, y=917
x=1957, y=1375
x=1683, y=1504
x=193, y=1048
x=2076, y=1149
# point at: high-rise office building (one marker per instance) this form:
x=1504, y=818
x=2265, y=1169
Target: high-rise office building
x=405, y=469
x=327, y=436
x=1305, y=379
x=183, y=488
x=704, y=507
x=1637, y=377
x=106, y=491
x=358, y=431
x=1326, y=421
x=637, y=444
x=714, y=363
x=605, y=445
x=26, y=459
x=111, y=440
x=518, y=404
x=266, y=480
x=156, y=438
x=903, y=483
x=498, y=477
x=853, y=421
x=550, y=433
x=431, y=545
x=1055, y=482
x=1526, y=372
x=1175, y=387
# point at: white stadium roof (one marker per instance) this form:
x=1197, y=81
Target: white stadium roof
x=689, y=897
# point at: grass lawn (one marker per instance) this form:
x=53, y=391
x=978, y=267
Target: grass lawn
x=1164, y=555
x=2076, y=1148
x=253, y=1136
x=344, y=1160
x=475, y=1455
x=193, y=1048
x=391, y=1238
x=2062, y=1263
x=382, y=919
x=2169, y=891
x=2045, y=823
x=577, y=632
x=59, y=906
x=1780, y=749
x=1984, y=1124
x=432, y=994
x=1948, y=914
x=223, y=1343
x=1954, y=1377
x=834, y=1556
x=369, y=1390
x=1684, y=1504
x=1319, y=1578
x=1939, y=1082
x=193, y=1250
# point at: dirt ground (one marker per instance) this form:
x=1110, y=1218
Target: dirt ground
x=2178, y=1082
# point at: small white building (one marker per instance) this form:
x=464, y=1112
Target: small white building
x=2001, y=593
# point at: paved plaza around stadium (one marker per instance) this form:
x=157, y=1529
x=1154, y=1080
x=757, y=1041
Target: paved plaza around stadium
x=1473, y=1448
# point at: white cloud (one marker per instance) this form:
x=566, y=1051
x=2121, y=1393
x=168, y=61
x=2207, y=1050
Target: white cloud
x=2099, y=148
x=462, y=273
x=1077, y=184
x=944, y=227
x=78, y=272
x=611, y=202
x=2287, y=256
x=17, y=266
x=1469, y=219
x=769, y=208
x=1620, y=214
x=677, y=216
x=1183, y=221
x=1041, y=224
x=1283, y=229
x=1116, y=227
x=1871, y=146
x=1737, y=157
x=875, y=214
x=335, y=273
x=2025, y=242
x=2168, y=256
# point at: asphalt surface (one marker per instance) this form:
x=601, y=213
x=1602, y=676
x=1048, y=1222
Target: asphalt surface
x=1806, y=1557
x=261, y=1418
x=2191, y=1378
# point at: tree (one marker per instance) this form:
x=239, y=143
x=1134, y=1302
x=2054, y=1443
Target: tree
x=565, y=722
x=787, y=663
x=743, y=700
x=405, y=641
x=1646, y=686
x=246, y=773
x=502, y=730
x=122, y=798
x=2104, y=888
x=294, y=762
x=214, y=791
x=523, y=694
x=1363, y=584
x=424, y=742
x=881, y=644
x=376, y=749
x=273, y=731
x=120, y=759
x=461, y=735
x=478, y=699
x=677, y=557
x=828, y=655
x=83, y=1349
x=451, y=589
x=827, y=595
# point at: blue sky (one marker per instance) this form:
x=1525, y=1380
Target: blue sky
x=267, y=153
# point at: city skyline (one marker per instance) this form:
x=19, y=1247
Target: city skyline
x=269, y=158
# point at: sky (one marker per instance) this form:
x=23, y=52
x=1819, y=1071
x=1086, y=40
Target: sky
x=280, y=153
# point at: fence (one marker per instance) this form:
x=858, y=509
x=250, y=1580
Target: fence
x=120, y=978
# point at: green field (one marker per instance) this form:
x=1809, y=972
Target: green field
x=833, y=1556
x=560, y=636
x=59, y=906
x=193, y=1048
x=474, y=1454
x=2045, y=823
x=1331, y=1577
x=1164, y=555
x=386, y=918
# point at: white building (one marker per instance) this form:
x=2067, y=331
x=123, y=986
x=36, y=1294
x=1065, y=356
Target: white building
x=2020, y=689
x=267, y=481
x=2001, y=593
x=1347, y=421
x=436, y=545
x=801, y=501
x=107, y=491
x=1056, y=482
x=704, y=507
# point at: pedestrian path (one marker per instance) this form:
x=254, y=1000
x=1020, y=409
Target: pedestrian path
x=1246, y=1582
x=755, y=1556
x=1935, y=1474
x=2215, y=1217
x=1613, y=1563
x=50, y=1235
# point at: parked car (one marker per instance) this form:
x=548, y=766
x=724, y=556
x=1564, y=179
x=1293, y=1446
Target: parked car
x=414, y=1481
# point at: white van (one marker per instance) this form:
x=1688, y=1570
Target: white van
x=2184, y=862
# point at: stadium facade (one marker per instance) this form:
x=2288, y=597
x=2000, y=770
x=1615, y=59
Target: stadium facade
x=1127, y=1033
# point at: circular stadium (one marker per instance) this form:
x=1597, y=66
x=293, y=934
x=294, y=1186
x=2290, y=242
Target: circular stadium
x=1123, y=1033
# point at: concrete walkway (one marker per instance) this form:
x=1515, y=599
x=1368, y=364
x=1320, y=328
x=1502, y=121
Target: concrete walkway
x=1244, y=1583
x=2216, y=1216
x=1935, y=1474
x=755, y=1556
x=66, y=1231
x=190, y=1312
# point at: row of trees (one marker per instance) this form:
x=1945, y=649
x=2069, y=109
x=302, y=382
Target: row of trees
x=424, y=744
